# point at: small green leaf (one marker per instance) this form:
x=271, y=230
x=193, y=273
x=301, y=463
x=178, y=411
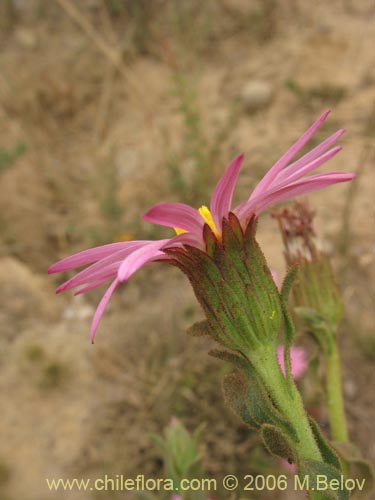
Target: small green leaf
x=316, y=325
x=288, y=324
x=320, y=477
x=210, y=239
x=287, y=285
x=256, y=400
x=359, y=468
x=180, y=450
x=277, y=442
x=328, y=453
x=235, y=226
x=199, y=329
x=237, y=360
x=234, y=387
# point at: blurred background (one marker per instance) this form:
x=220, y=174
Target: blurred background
x=110, y=106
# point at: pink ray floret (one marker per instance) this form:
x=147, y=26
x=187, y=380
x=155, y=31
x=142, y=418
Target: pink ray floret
x=117, y=262
x=221, y=200
x=298, y=361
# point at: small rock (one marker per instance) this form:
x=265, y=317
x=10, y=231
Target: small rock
x=78, y=309
x=256, y=94
x=25, y=38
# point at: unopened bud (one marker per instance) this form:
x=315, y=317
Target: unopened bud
x=315, y=288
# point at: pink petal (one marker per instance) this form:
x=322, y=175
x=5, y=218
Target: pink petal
x=95, y=284
x=285, y=159
x=302, y=171
x=106, y=273
x=302, y=186
x=102, y=266
x=310, y=156
x=176, y=215
x=91, y=286
x=221, y=199
x=88, y=256
x=139, y=258
x=186, y=239
x=101, y=307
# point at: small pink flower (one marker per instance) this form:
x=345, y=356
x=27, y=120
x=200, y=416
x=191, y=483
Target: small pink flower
x=289, y=467
x=284, y=180
x=298, y=360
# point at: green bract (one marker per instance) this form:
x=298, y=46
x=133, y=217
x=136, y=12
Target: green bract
x=234, y=286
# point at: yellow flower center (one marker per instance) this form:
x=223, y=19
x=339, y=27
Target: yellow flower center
x=208, y=219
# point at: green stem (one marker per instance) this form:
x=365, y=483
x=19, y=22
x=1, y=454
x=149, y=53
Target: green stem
x=289, y=401
x=335, y=401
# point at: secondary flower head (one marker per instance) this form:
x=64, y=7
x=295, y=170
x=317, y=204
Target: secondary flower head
x=315, y=292
x=284, y=180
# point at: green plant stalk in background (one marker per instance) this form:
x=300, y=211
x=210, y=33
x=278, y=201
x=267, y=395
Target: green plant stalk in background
x=335, y=400
x=326, y=336
x=335, y=396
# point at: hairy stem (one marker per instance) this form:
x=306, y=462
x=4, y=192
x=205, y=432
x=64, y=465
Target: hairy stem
x=289, y=401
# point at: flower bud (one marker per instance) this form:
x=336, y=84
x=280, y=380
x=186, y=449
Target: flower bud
x=315, y=293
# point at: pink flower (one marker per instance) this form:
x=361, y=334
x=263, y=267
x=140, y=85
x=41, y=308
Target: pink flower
x=298, y=360
x=284, y=180
x=289, y=467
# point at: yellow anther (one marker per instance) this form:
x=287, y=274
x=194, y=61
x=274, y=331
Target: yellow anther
x=208, y=219
x=272, y=315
